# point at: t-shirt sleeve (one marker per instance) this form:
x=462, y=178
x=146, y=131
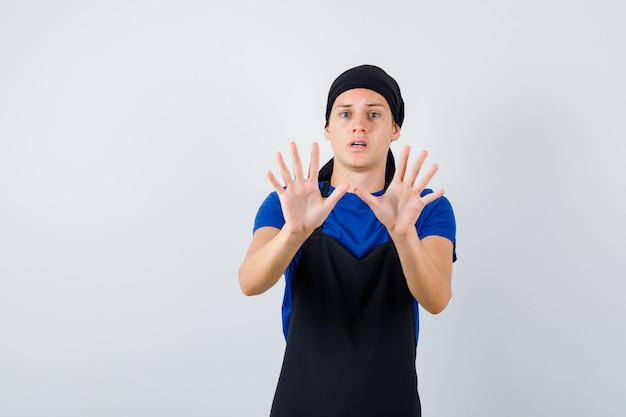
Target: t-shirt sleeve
x=437, y=219
x=270, y=213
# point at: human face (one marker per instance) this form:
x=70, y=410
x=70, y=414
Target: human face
x=361, y=129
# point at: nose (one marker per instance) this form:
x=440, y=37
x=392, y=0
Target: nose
x=359, y=122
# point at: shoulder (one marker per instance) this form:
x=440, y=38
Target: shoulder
x=440, y=205
x=270, y=213
x=437, y=218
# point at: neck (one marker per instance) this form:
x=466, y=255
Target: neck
x=370, y=181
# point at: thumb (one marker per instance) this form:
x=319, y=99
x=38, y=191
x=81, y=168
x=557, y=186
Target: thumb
x=336, y=195
x=369, y=199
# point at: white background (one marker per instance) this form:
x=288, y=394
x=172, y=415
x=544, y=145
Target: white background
x=134, y=140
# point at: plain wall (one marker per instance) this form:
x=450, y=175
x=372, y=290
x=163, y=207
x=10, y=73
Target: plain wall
x=134, y=141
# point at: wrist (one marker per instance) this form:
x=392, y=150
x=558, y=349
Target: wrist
x=296, y=235
x=403, y=235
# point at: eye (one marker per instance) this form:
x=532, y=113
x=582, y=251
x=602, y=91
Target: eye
x=344, y=114
x=374, y=114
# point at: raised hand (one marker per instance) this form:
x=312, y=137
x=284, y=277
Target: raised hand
x=401, y=204
x=303, y=207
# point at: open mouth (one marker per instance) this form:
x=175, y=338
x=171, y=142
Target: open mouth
x=358, y=144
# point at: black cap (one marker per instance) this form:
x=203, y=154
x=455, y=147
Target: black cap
x=372, y=78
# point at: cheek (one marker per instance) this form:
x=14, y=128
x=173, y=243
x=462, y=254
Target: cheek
x=333, y=129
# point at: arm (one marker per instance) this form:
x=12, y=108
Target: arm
x=269, y=254
x=304, y=209
x=427, y=266
x=426, y=263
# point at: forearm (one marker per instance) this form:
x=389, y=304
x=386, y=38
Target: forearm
x=266, y=261
x=427, y=268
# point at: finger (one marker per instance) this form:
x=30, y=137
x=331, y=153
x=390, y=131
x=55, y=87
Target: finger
x=275, y=184
x=429, y=198
x=416, y=167
x=314, y=164
x=336, y=195
x=282, y=168
x=368, y=198
x=425, y=180
x=402, y=163
x=296, y=162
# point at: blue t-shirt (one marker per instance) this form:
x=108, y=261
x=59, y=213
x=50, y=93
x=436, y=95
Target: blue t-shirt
x=354, y=224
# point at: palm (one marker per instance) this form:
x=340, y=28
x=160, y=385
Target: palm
x=399, y=207
x=401, y=204
x=303, y=207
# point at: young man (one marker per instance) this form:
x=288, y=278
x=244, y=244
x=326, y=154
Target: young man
x=360, y=245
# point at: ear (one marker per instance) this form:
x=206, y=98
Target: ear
x=395, y=132
x=326, y=133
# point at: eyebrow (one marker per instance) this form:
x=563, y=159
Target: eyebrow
x=368, y=105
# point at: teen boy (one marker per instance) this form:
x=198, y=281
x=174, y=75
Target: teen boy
x=360, y=245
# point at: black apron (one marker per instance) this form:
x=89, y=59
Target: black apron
x=351, y=340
